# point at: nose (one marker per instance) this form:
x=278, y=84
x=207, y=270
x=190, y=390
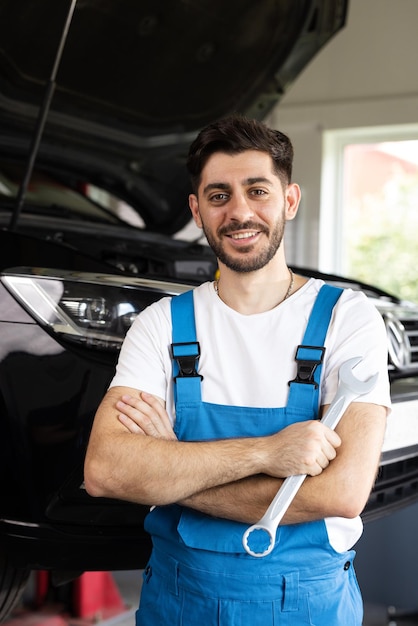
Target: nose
x=239, y=207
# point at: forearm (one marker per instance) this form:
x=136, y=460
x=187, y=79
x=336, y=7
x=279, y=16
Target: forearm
x=248, y=499
x=139, y=459
x=155, y=471
x=152, y=470
x=341, y=490
x=244, y=501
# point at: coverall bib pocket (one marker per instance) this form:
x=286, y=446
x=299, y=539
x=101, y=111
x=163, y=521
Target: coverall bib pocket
x=204, y=533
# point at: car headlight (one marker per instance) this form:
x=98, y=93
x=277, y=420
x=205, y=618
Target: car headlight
x=89, y=309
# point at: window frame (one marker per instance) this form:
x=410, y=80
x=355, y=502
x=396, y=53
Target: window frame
x=331, y=219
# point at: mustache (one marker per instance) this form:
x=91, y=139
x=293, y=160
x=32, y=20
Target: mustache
x=231, y=228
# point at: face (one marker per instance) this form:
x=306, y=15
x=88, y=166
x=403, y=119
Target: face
x=242, y=207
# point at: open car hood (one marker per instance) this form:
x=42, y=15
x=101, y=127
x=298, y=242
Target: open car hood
x=137, y=80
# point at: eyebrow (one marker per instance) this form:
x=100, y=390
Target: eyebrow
x=258, y=179
x=248, y=181
x=211, y=186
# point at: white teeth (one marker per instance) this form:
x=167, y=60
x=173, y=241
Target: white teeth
x=243, y=235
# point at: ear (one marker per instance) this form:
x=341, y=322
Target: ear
x=292, y=199
x=194, y=208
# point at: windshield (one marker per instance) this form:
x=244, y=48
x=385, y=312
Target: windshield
x=48, y=196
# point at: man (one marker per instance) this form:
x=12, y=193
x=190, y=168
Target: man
x=215, y=401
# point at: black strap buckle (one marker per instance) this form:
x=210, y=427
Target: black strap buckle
x=308, y=358
x=186, y=355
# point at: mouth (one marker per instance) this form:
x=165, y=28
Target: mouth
x=243, y=239
x=243, y=236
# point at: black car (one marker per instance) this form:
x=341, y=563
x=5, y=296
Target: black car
x=93, y=190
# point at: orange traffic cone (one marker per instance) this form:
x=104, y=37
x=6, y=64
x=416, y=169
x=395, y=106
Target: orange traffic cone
x=95, y=594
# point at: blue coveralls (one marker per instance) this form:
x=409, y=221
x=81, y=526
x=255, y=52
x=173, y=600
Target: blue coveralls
x=199, y=573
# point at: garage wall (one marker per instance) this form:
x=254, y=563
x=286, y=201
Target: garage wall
x=365, y=76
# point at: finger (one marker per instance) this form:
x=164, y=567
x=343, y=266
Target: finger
x=149, y=414
x=141, y=415
x=130, y=424
x=329, y=451
x=156, y=404
x=333, y=438
x=323, y=461
x=158, y=415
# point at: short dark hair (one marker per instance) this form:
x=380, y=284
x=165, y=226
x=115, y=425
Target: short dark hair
x=235, y=134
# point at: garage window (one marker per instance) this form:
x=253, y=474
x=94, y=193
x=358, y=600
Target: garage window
x=369, y=207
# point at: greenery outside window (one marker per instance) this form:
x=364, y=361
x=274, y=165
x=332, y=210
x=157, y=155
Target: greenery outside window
x=369, y=207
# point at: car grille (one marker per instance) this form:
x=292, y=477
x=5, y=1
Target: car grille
x=411, y=329
x=396, y=486
x=402, y=329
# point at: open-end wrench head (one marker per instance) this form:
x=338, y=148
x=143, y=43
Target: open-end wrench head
x=353, y=384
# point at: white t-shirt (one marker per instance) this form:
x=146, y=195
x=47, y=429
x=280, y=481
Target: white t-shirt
x=247, y=360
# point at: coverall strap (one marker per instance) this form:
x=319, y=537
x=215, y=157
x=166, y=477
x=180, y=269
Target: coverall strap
x=317, y=328
x=304, y=389
x=185, y=349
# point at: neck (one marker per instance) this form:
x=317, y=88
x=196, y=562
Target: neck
x=256, y=292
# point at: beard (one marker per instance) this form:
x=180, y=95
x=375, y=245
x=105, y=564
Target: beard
x=247, y=262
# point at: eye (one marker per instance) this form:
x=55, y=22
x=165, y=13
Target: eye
x=219, y=197
x=258, y=192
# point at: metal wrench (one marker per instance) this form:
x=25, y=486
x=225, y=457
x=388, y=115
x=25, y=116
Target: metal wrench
x=349, y=388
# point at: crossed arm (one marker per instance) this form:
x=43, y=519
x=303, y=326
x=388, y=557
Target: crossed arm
x=133, y=454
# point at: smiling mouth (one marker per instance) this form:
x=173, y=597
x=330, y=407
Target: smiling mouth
x=246, y=235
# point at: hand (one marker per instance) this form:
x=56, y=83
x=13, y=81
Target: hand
x=145, y=415
x=302, y=448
